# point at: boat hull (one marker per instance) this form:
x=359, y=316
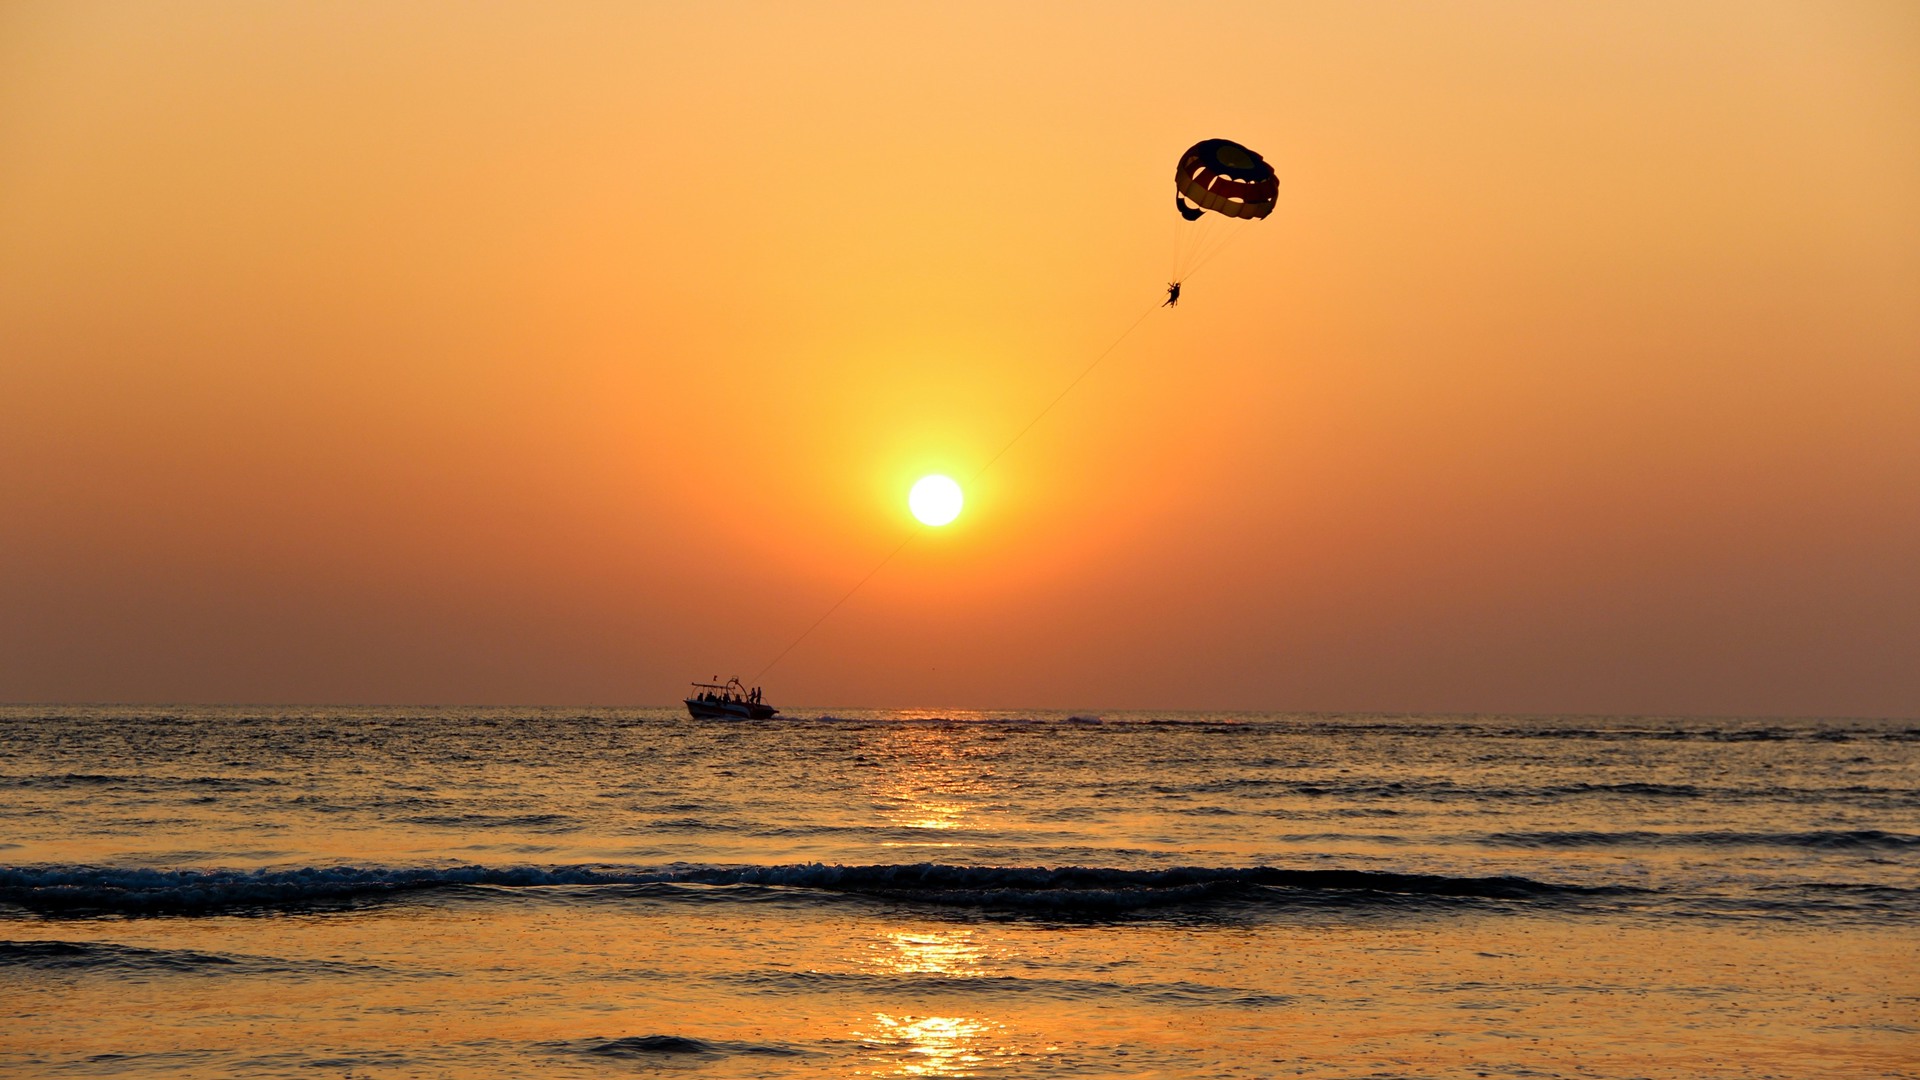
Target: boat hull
x=730, y=710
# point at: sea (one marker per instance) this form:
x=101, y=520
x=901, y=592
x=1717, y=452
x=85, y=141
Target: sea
x=357, y=893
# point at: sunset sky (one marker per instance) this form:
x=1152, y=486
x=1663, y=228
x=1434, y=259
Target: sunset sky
x=565, y=353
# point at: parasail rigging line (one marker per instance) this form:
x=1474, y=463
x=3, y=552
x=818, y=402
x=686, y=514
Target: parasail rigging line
x=1197, y=244
x=1061, y=396
x=1190, y=238
x=908, y=539
x=1211, y=255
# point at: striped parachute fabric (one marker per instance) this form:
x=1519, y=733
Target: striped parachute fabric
x=1226, y=178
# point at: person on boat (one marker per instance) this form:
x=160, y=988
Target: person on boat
x=1173, y=294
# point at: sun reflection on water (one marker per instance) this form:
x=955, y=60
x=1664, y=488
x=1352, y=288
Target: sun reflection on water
x=930, y=781
x=929, y=952
x=930, y=1045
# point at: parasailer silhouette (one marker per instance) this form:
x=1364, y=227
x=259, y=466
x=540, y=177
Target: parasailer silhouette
x=1173, y=294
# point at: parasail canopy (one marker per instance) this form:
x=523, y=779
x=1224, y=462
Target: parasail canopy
x=1222, y=176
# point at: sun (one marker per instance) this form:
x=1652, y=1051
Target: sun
x=935, y=500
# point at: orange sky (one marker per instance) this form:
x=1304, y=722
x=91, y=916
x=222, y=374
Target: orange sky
x=565, y=353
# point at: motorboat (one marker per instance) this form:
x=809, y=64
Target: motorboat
x=728, y=701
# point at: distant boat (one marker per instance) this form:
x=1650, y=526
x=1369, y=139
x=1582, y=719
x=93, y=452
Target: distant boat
x=728, y=701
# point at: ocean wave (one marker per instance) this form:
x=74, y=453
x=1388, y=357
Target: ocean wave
x=533, y=822
x=58, y=955
x=1818, y=839
x=645, y=1047
x=999, y=987
x=1065, y=891
x=1629, y=787
x=101, y=956
x=1444, y=790
x=137, y=781
x=1437, y=788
